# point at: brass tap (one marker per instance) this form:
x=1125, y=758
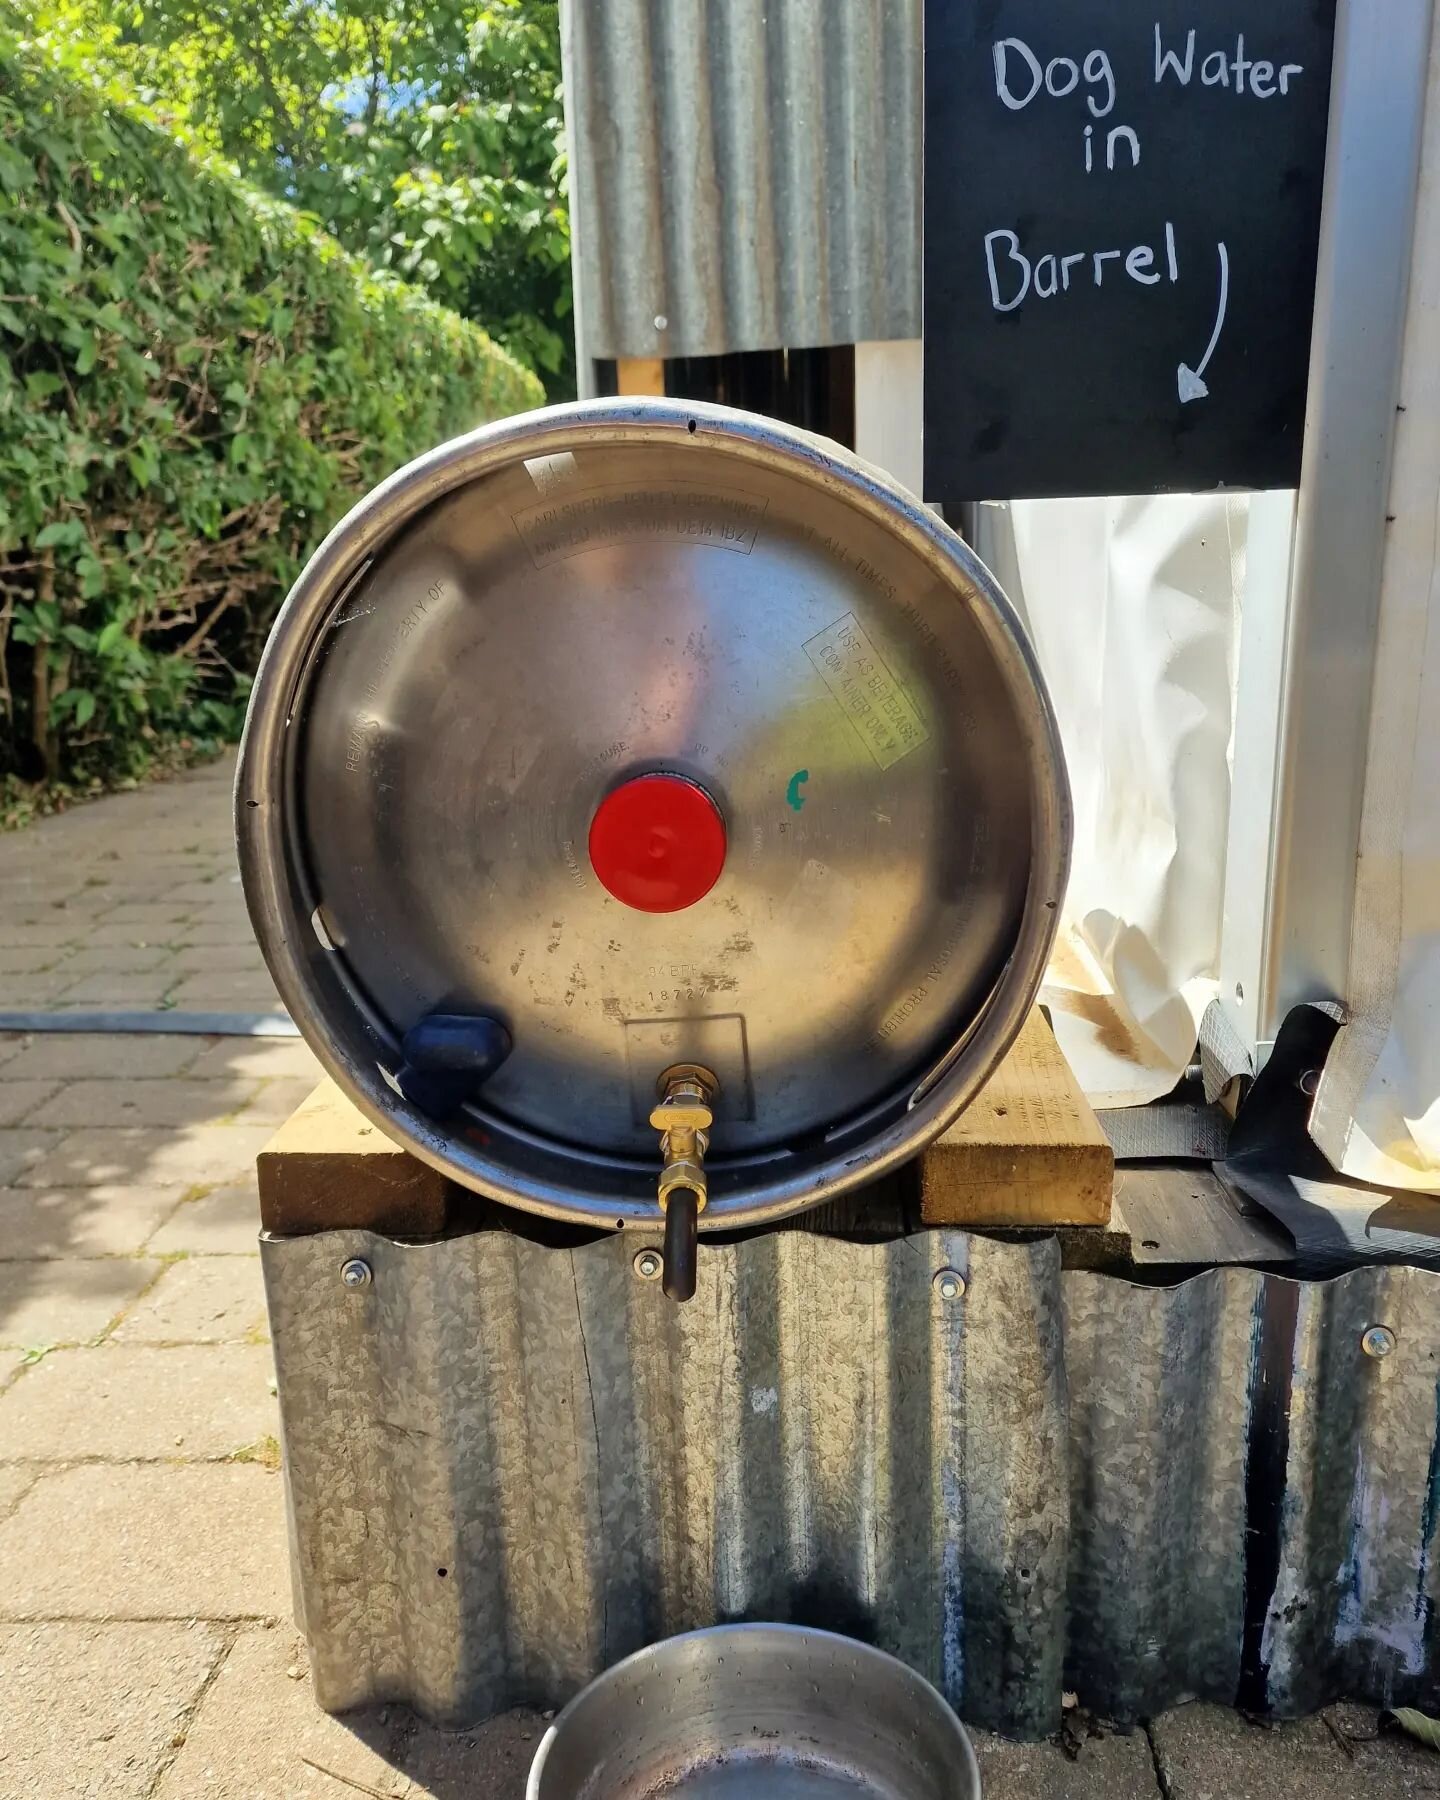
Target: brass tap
x=683, y=1118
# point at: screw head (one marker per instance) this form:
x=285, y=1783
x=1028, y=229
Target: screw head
x=661, y=322
x=648, y=1265
x=1378, y=1340
x=1309, y=1083
x=949, y=1284
x=356, y=1273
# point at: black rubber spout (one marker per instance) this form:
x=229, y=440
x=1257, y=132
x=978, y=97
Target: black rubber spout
x=682, y=1243
x=448, y=1059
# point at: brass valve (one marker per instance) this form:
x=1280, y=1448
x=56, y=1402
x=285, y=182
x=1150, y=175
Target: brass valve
x=683, y=1117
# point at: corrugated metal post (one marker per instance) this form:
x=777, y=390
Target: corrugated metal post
x=1308, y=817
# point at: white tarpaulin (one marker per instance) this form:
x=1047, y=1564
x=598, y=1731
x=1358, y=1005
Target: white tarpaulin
x=1377, y=1115
x=1133, y=608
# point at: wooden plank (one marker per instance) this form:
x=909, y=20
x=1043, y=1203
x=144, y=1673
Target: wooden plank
x=640, y=375
x=1027, y=1151
x=1184, y=1217
x=328, y=1167
x=1105, y=1249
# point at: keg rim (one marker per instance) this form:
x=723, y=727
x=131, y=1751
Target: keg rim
x=270, y=854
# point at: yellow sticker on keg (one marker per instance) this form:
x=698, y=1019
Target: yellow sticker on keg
x=869, y=695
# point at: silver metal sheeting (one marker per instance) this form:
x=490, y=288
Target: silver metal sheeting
x=746, y=173
x=510, y=1465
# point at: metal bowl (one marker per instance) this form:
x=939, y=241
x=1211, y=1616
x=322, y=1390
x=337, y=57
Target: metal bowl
x=768, y=1712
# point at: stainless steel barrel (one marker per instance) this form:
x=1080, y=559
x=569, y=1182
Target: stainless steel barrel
x=634, y=785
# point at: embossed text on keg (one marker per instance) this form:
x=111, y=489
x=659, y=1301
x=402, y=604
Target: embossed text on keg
x=869, y=695
x=922, y=990
x=682, y=512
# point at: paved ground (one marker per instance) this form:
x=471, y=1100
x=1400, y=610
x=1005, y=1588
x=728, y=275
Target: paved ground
x=131, y=903
x=146, y=1647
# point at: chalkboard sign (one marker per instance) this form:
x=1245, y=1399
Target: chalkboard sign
x=1122, y=213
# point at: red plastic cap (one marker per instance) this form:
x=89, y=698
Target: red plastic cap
x=657, y=843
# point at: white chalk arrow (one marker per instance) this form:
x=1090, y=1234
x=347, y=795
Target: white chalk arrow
x=1187, y=380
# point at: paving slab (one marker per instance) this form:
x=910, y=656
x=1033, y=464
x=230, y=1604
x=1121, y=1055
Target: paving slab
x=27, y=959
x=224, y=896
x=492, y=1759
x=130, y=1403
x=274, y=1101
x=19, y=1100
x=227, y=991
x=126, y=958
x=223, y=1222
x=1105, y=1768
x=52, y=933
x=26, y=905
x=81, y=911
x=179, y=1101
x=83, y=1056
x=140, y=1155
x=115, y=991
x=203, y=959
x=67, y=1302
x=145, y=916
x=109, y=936
x=212, y=928
x=101, y=1221
x=148, y=1541
x=258, y=1735
x=273, y=1057
x=35, y=992
x=21, y=1148
x=91, y=1710
x=198, y=890
x=1211, y=1753
x=202, y=1300
x=16, y=1480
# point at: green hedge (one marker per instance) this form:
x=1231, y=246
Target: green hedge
x=194, y=383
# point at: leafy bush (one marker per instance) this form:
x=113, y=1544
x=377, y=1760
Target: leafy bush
x=426, y=135
x=194, y=382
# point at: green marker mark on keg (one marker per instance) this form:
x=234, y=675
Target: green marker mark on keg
x=794, y=799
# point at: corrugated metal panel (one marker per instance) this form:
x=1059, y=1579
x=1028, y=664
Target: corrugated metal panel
x=745, y=171
x=511, y=1465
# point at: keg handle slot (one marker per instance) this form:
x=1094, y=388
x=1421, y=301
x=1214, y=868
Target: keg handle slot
x=448, y=1057
x=683, y=1118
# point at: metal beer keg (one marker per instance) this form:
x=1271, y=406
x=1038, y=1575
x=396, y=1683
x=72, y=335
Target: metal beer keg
x=648, y=807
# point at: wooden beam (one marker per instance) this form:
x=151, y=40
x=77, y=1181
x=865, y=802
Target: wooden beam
x=328, y=1167
x=1027, y=1151
x=640, y=375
